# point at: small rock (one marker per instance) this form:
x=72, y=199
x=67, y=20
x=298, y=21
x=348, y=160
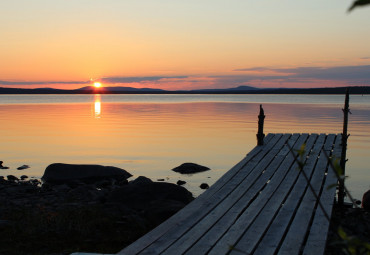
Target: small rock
x=12, y=178
x=23, y=177
x=160, y=180
x=180, y=182
x=23, y=167
x=34, y=182
x=204, y=186
x=190, y=168
x=1, y=163
x=4, y=167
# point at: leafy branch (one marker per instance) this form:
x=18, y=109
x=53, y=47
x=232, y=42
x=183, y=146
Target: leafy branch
x=358, y=3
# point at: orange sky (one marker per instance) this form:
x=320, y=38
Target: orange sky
x=183, y=44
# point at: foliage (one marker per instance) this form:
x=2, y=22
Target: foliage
x=353, y=244
x=358, y=3
x=348, y=244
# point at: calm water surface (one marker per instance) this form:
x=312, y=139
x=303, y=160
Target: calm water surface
x=151, y=134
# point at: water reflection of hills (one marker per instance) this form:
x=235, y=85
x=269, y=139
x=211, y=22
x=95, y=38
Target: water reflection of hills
x=148, y=138
x=238, y=90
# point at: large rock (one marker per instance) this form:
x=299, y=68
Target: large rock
x=139, y=196
x=366, y=201
x=190, y=168
x=61, y=173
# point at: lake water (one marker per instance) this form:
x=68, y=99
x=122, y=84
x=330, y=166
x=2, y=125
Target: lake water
x=151, y=134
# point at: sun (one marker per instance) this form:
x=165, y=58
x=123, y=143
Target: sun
x=97, y=84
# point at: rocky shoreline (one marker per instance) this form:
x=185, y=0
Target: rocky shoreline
x=107, y=213
x=96, y=216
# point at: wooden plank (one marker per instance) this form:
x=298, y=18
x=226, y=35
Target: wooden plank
x=247, y=217
x=172, y=222
x=286, y=180
x=316, y=241
x=300, y=225
x=258, y=206
x=275, y=233
x=215, y=224
x=270, y=139
x=233, y=186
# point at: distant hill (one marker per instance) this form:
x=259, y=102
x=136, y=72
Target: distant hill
x=240, y=88
x=117, y=89
x=236, y=90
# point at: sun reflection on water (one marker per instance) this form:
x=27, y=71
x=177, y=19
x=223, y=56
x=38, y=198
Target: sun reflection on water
x=97, y=106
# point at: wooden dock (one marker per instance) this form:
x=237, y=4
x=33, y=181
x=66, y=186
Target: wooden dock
x=265, y=204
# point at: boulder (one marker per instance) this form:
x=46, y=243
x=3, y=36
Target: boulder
x=366, y=201
x=63, y=173
x=160, y=210
x=190, y=168
x=139, y=196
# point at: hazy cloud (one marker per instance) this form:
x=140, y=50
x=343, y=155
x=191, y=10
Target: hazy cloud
x=260, y=76
x=138, y=79
x=258, y=69
x=23, y=83
x=348, y=73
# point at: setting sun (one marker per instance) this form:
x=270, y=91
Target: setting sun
x=97, y=84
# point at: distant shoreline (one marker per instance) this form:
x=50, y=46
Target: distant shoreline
x=360, y=90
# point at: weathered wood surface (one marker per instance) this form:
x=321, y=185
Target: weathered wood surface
x=263, y=205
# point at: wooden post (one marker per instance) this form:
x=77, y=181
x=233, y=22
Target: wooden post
x=260, y=134
x=343, y=156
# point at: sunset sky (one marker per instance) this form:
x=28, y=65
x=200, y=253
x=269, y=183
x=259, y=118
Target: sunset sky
x=192, y=44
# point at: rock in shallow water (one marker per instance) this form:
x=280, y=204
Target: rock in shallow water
x=181, y=182
x=190, y=168
x=12, y=178
x=204, y=186
x=23, y=167
x=3, y=167
x=62, y=173
x=23, y=177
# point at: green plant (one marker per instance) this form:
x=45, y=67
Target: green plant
x=348, y=244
